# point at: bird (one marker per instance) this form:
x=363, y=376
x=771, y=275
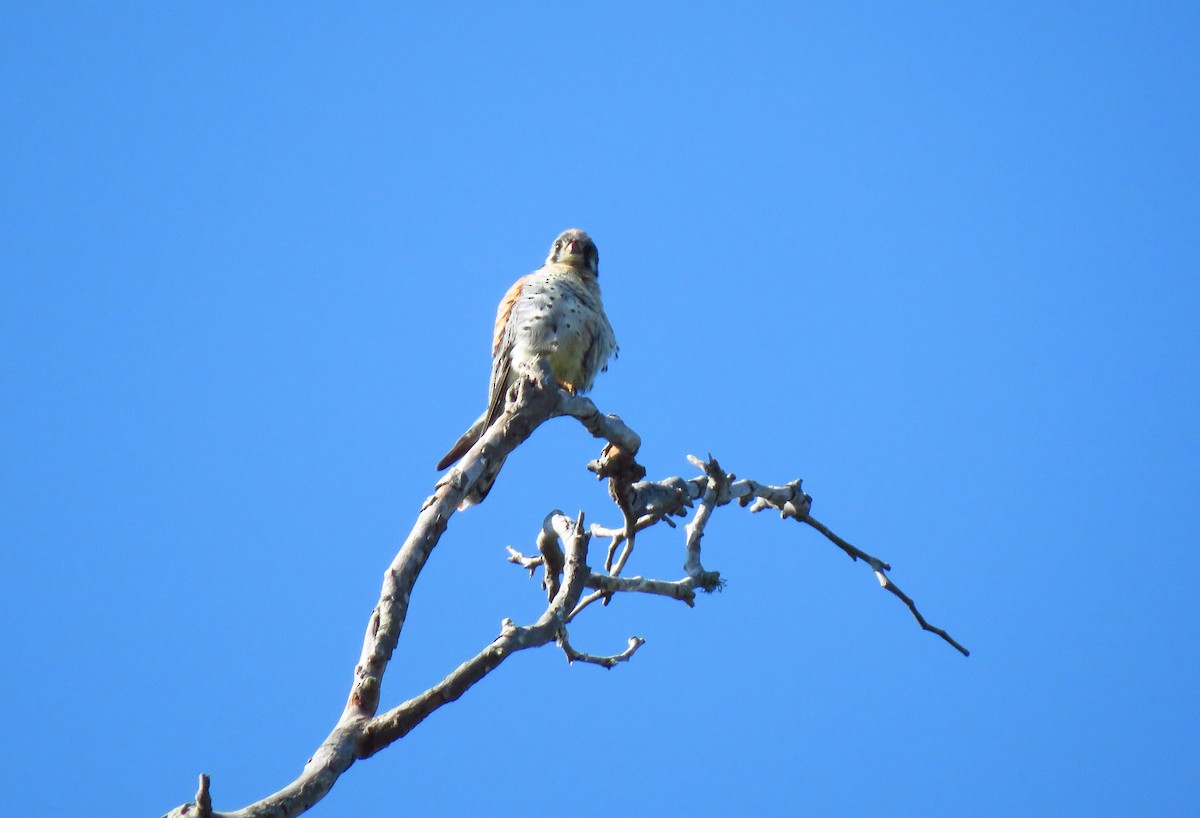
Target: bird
x=553, y=314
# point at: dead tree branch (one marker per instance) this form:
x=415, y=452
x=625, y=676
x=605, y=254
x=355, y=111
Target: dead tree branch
x=658, y=501
x=358, y=733
x=562, y=544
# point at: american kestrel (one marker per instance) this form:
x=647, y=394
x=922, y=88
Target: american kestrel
x=554, y=314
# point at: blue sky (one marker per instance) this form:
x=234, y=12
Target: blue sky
x=939, y=260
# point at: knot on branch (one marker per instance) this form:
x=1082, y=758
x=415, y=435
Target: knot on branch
x=791, y=501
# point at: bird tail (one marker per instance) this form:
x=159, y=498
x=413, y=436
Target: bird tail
x=490, y=472
x=464, y=443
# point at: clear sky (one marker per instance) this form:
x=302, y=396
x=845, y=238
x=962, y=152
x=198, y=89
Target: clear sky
x=941, y=260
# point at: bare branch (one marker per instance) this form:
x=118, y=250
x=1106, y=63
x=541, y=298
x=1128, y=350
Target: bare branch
x=563, y=547
x=853, y=552
x=585, y=602
x=674, y=495
x=618, y=536
x=623, y=471
x=201, y=807
x=528, y=563
x=536, y=400
x=683, y=590
x=888, y=585
x=573, y=655
x=554, y=526
x=400, y=720
x=881, y=568
x=608, y=427
x=714, y=484
x=659, y=500
x=607, y=585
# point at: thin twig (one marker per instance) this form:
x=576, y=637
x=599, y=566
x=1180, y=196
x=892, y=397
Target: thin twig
x=528, y=563
x=881, y=568
x=852, y=551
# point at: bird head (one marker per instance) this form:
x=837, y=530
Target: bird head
x=576, y=248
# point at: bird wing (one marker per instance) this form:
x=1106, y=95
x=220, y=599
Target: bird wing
x=504, y=312
x=503, y=338
x=502, y=342
x=602, y=344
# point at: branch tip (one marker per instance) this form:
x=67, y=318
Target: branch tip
x=203, y=798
